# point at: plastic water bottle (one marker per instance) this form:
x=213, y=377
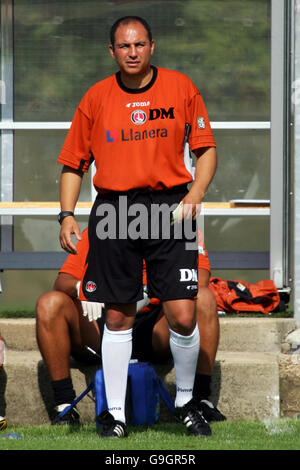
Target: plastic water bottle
x=11, y=435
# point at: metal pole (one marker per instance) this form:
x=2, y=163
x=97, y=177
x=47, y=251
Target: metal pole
x=296, y=103
x=278, y=216
x=7, y=150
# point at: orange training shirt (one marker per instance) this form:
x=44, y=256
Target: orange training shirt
x=136, y=136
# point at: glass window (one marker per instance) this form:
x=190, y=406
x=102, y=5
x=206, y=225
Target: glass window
x=61, y=49
x=223, y=233
x=40, y=233
x=247, y=275
x=36, y=171
x=251, y=233
x=243, y=166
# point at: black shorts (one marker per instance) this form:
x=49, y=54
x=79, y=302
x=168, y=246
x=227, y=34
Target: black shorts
x=124, y=229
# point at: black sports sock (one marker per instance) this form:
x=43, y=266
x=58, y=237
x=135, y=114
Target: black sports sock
x=202, y=386
x=63, y=391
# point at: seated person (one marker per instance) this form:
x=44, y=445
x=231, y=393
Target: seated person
x=3, y=423
x=65, y=326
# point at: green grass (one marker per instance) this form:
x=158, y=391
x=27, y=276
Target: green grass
x=14, y=312
x=281, y=434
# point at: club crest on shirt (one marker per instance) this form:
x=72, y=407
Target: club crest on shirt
x=138, y=117
x=201, y=122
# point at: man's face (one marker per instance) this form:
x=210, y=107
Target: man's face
x=132, y=49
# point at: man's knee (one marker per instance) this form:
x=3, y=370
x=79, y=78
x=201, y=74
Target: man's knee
x=49, y=305
x=184, y=322
x=181, y=315
x=120, y=317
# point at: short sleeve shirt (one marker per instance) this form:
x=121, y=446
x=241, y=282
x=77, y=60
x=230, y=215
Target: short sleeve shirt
x=136, y=136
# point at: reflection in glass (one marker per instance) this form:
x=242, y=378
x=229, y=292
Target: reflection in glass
x=61, y=50
x=37, y=233
x=36, y=171
x=235, y=233
x=243, y=166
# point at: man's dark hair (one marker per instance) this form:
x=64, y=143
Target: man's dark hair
x=126, y=20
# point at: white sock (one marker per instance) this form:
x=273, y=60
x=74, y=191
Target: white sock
x=61, y=407
x=116, y=354
x=185, y=351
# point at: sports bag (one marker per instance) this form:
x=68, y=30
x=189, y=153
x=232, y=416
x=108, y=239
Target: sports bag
x=240, y=296
x=144, y=391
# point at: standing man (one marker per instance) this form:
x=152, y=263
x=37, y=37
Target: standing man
x=133, y=125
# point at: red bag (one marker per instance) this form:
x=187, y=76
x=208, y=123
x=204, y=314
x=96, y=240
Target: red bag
x=240, y=296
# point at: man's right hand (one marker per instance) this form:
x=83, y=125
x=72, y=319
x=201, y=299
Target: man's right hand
x=69, y=227
x=70, y=184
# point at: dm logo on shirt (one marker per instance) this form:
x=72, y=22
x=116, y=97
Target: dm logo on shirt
x=90, y=286
x=138, y=117
x=188, y=275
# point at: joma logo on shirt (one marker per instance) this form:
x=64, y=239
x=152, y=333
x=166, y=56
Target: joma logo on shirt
x=136, y=104
x=129, y=135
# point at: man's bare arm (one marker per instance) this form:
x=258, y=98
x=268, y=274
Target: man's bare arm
x=70, y=184
x=206, y=166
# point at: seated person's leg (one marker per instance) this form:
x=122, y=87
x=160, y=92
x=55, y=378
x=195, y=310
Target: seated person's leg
x=208, y=322
x=61, y=330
